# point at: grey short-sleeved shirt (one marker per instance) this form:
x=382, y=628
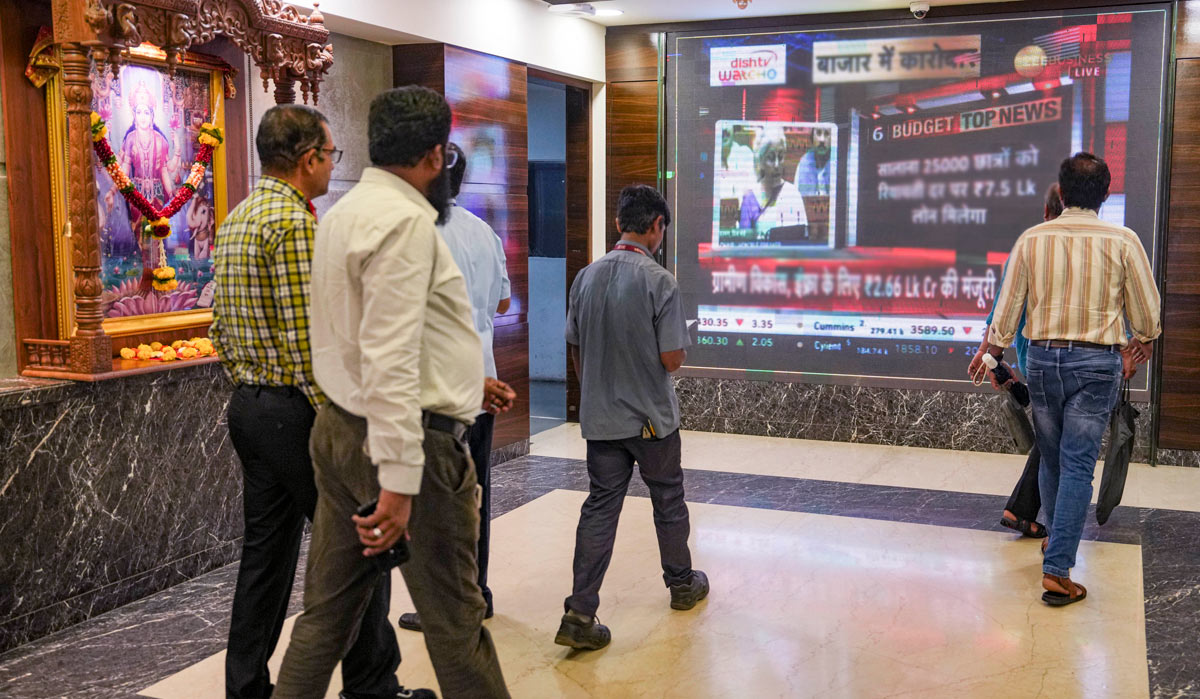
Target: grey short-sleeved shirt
x=625, y=310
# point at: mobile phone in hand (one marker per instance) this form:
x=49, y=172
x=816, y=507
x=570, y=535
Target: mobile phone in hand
x=397, y=555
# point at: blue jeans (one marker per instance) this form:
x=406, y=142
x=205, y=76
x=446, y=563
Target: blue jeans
x=1073, y=391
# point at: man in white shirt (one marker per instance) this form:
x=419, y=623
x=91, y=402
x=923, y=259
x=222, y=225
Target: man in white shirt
x=479, y=253
x=397, y=355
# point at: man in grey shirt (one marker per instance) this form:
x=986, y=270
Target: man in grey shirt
x=627, y=334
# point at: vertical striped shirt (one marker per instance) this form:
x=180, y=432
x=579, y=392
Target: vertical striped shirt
x=263, y=268
x=1078, y=278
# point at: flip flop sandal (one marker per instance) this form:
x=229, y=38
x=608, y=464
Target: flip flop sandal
x=1061, y=599
x=1025, y=527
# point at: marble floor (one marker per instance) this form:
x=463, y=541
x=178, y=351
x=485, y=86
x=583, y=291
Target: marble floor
x=837, y=571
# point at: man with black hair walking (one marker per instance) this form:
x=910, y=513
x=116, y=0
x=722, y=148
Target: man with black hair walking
x=396, y=353
x=627, y=335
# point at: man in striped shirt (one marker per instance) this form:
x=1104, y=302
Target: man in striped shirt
x=1078, y=279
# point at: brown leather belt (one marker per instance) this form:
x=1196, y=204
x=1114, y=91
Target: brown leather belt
x=1070, y=344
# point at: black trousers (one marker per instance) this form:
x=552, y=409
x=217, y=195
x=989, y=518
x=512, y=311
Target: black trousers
x=270, y=428
x=610, y=467
x=479, y=441
x=1026, y=498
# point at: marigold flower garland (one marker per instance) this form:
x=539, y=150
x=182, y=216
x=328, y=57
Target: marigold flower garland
x=158, y=221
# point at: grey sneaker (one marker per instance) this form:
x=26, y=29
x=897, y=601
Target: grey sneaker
x=582, y=632
x=686, y=596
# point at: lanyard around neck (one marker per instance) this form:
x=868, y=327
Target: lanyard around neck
x=630, y=248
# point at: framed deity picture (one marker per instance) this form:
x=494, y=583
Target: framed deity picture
x=153, y=122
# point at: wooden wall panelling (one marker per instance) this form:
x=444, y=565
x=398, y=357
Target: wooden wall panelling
x=630, y=56
x=1187, y=34
x=30, y=208
x=579, y=207
x=420, y=64
x=488, y=97
x=1179, y=409
x=632, y=143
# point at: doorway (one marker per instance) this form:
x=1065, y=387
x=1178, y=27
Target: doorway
x=547, y=254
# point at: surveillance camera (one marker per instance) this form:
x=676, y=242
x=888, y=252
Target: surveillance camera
x=918, y=9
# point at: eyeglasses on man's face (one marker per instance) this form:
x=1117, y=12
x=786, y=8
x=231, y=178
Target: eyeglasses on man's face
x=335, y=154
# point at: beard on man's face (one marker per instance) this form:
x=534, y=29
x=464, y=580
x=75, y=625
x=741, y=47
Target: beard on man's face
x=439, y=196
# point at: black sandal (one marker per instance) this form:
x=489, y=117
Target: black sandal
x=1025, y=527
x=1055, y=598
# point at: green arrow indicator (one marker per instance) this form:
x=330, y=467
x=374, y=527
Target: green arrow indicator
x=739, y=344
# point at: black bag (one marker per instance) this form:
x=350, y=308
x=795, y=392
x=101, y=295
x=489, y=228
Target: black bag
x=1121, y=431
x=1017, y=422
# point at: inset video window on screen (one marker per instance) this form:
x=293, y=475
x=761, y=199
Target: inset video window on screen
x=846, y=198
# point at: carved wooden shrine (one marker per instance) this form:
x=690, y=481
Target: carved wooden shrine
x=288, y=48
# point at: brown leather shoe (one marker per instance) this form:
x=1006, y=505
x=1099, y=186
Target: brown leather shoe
x=1061, y=591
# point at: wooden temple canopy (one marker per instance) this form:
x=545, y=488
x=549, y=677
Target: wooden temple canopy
x=288, y=48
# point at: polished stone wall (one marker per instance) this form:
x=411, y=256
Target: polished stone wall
x=361, y=70
x=901, y=417
x=111, y=491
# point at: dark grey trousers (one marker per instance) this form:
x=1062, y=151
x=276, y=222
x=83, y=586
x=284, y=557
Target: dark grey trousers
x=610, y=467
x=270, y=428
x=441, y=575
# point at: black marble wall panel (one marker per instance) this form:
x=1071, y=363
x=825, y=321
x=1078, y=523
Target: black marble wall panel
x=901, y=417
x=508, y=453
x=109, y=492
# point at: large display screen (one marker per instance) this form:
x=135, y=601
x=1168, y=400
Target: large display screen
x=846, y=198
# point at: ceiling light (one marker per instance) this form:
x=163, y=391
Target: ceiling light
x=577, y=9
x=609, y=13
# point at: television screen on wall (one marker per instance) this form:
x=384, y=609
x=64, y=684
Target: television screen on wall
x=846, y=197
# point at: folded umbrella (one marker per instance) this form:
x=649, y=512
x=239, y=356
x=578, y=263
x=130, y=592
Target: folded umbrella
x=1017, y=422
x=1122, y=427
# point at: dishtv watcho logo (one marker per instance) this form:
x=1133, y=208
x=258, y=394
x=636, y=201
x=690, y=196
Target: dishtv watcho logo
x=748, y=65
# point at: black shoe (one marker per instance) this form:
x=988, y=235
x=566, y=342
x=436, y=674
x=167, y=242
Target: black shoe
x=402, y=693
x=582, y=632
x=686, y=596
x=411, y=621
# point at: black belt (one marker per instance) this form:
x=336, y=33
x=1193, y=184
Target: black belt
x=443, y=423
x=1071, y=344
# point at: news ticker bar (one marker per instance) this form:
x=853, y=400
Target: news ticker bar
x=718, y=319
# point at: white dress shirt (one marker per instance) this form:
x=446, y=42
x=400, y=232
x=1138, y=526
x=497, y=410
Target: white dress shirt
x=479, y=253
x=391, y=322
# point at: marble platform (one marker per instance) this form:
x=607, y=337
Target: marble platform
x=109, y=492
x=115, y=490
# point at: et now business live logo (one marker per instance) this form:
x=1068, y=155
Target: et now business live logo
x=748, y=65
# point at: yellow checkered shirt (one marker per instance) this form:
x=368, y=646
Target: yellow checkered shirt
x=263, y=270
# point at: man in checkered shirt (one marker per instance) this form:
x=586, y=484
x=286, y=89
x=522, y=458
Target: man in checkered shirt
x=260, y=327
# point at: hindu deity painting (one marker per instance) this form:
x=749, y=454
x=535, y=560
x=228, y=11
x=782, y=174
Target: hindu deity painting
x=153, y=124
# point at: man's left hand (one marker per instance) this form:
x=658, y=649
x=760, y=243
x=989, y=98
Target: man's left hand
x=1129, y=364
x=498, y=396
x=1137, y=351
